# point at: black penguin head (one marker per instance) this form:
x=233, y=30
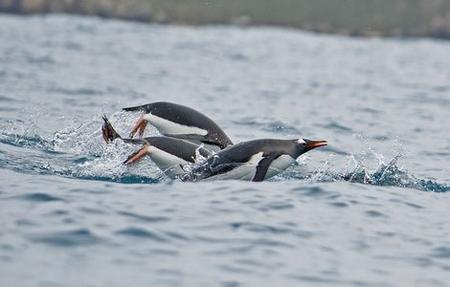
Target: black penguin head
x=304, y=145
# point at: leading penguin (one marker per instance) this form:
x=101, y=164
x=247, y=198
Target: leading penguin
x=254, y=160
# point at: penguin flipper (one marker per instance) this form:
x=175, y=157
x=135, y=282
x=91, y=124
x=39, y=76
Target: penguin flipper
x=188, y=137
x=135, y=141
x=195, y=138
x=263, y=166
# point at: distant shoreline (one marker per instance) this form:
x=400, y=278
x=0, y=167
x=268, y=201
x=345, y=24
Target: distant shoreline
x=362, y=18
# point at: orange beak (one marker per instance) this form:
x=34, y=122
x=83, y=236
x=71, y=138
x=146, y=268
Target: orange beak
x=139, y=127
x=314, y=144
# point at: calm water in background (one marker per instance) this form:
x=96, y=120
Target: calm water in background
x=369, y=210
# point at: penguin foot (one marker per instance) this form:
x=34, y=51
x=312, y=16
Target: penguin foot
x=108, y=132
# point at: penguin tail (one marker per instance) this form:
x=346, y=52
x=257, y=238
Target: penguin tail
x=108, y=132
x=142, y=108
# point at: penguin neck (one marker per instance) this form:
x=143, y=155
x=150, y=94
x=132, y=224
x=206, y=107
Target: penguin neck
x=293, y=149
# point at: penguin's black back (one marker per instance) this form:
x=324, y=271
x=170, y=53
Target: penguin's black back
x=242, y=152
x=179, y=148
x=186, y=116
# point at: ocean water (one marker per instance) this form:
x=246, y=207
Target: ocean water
x=371, y=209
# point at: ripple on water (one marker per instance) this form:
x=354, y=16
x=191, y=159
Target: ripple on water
x=442, y=252
x=260, y=228
x=145, y=218
x=177, y=236
x=66, y=238
x=338, y=127
x=77, y=92
x=410, y=204
x=339, y=204
x=25, y=222
x=310, y=279
x=6, y=99
x=311, y=191
x=39, y=197
x=142, y=233
x=375, y=213
x=279, y=205
x=269, y=125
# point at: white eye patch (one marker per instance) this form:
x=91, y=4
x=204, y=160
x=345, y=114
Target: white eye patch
x=301, y=141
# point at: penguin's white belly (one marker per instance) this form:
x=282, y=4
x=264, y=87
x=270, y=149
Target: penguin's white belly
x=167, y=127
x=279, y=165
x=245, y=171
x=171, y=165
x=242, y=172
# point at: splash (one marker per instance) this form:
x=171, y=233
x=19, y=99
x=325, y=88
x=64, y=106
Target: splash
x=386, y=174
x=27, y=141
x=24, y=134
x=78, y=151
x=189, y=169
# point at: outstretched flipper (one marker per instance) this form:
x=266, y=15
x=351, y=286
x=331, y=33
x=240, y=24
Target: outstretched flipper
x=108, y=132
x=197, y=139
x=263, y=166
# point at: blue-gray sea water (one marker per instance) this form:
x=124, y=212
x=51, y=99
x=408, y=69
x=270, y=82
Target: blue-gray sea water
x=371, y=209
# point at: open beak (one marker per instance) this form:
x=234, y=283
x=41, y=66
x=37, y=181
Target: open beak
x=139, y=127
x=314, y=144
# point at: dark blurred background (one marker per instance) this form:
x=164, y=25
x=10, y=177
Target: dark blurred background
x=404, y=18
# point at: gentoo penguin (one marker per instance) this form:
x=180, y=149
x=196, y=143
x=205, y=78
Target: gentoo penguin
x=169, y=154
x=254, y=160
x=181, y=122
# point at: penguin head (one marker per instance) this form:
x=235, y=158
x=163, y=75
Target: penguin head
x=304, y=145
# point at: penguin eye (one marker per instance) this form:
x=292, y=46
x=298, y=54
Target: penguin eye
x=302, y=142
